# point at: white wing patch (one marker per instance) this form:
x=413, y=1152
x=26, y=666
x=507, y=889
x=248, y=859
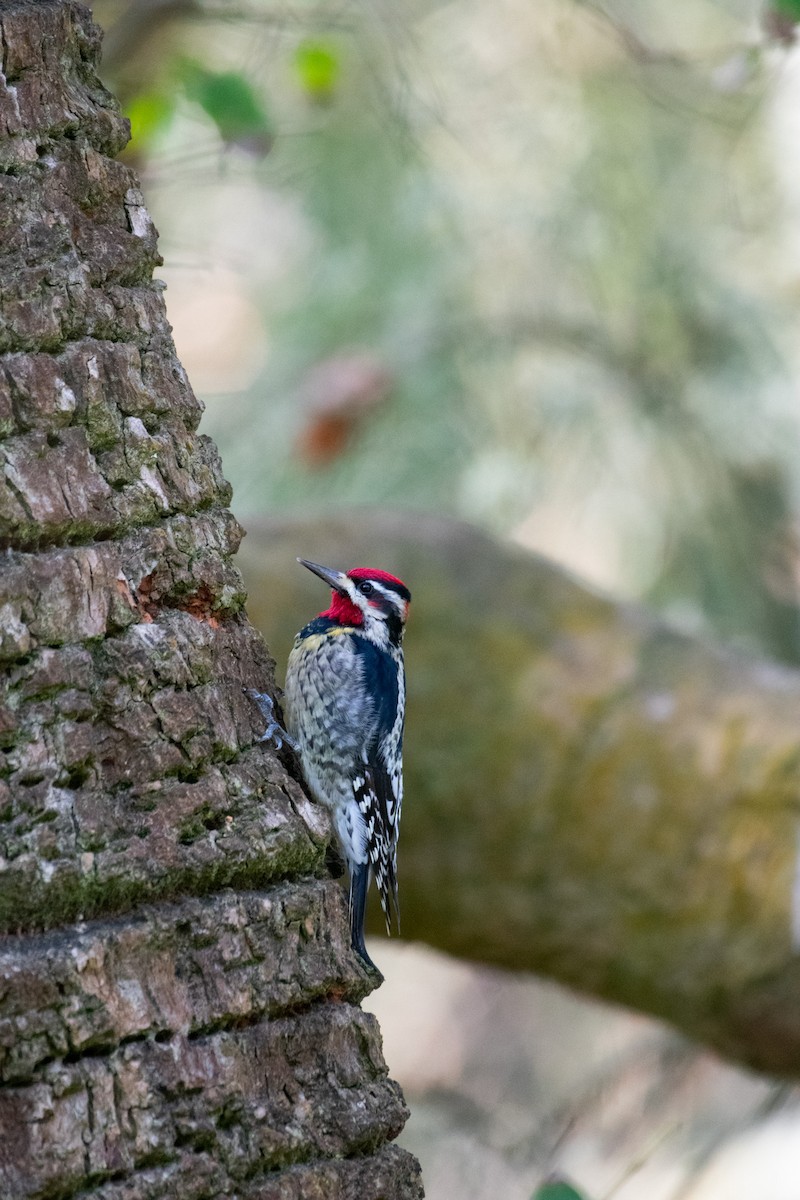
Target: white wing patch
x=376, y=794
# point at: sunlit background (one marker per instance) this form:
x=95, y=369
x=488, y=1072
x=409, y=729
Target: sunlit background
x=535, y=265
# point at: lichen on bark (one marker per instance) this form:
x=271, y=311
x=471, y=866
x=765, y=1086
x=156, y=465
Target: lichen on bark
x=179, y=1008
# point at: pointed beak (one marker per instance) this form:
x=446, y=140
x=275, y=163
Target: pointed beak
x=334, y=579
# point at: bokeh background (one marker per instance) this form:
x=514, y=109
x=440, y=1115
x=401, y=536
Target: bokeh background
x=535, y=266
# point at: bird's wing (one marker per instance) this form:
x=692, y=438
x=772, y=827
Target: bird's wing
x=378, y=794
x=378, y=788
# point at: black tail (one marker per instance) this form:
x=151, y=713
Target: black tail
x=359, y=886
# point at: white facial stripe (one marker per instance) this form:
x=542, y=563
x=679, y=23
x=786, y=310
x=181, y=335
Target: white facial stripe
x=397, y=602
x=373, y=613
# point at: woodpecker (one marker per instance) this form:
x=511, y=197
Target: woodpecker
x=345, y=701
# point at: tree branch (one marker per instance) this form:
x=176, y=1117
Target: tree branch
x=589, y=794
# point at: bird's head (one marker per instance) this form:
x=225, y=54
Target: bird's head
x=368, y=598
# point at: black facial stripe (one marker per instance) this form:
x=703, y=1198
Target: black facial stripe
x=394, y=627
x=391, y=589
x=386, y=601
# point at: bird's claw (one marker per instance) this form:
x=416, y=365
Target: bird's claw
x=274, y=732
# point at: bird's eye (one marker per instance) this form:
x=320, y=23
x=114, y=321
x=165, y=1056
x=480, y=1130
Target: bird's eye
x=366, y=588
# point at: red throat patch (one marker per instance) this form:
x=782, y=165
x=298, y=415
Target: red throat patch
x=343, y=610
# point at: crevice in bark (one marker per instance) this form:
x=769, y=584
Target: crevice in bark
x=20, y=497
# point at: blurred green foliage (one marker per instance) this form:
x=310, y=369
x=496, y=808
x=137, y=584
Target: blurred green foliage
x=787, y=8
x=227, y=98
x=557, y=1189
x=232, y=103
x=318, y=68
x=149, y=113
x=562, y=234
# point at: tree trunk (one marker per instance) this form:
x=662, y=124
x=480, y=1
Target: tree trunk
x=589, y=794
x=179, y=1003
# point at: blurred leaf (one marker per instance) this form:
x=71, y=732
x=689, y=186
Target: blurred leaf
x=787, y=8
x=780, y=20
x=337, y=395
x=557, y=1189
x=232, y=104
x=148, y=113
x=318, y=67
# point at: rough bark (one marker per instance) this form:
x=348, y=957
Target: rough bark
x=589, y=794
x=179, y=1004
